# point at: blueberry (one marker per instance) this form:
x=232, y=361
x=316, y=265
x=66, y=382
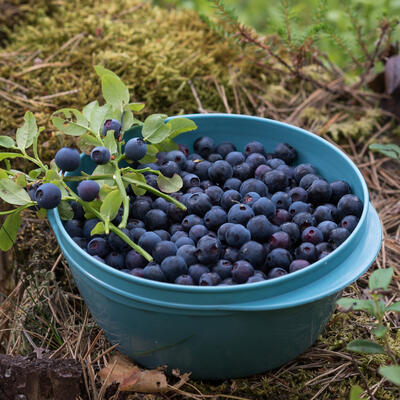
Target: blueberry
x=116, y=243
x=227, y=282
x=209, y=250
x=349, y=222
x=100, y=155
x=285, y=152
x=230, y=253
x=201, y=169
x=177, y=235
x=67, y=159
x=214, y=193
x=250, y=198
x=225, y=147
x=319, y=191
x=253, y=252
x=161, y=156
x=254, y=160
x=73, y=227
x=209, y=279
x=253, y=185
x=189, y=166
x=195, y=189
x=333, y=209
x=274, y=163
x=260, y=228
x=134, y=260
x=292, y=230
x=221, y=234
x=160, y=204
x=184, y=240
x=115, y=260
x=242, y=171
x=323, y=246
x=235, y=158
x=240, y=214
x=254, y=147
x=169, y=168
x=232, y=184
x=276, y=273
x=349, y=204
x=307, y=180
x=323, y=254
x=205, y=184
x=220, y=171
x=87, y=190
x=322, y=213
x=236, y=235
x=306, y=251
x=298, y=264
x=112, y=125
x=197, y=231
x=214, y=157
x=204, y=146
x=175, y=228
x=156, y=219
x=79, y=212
x=151, y=180
x=177, y=156
x=281, y=200
x=338, y=236
x=136, y=233
x=48, y=196
x=303, y=220
x=184, y=280
x=175, y=214
x=191, y=220
x=288, y=171
x=242, y=271
x=139, y=208
x=184, y=149
x=198, y=203
x=163, y=250
x=134, y=223
x=229, y=198
x=261, y=170
x=281, y=216
x=191, y=180
x=280, y=239
x=196, y=271
x=173, y=266
x=302, y=170
x=88, y=227
x=164, y=235
x=98, y=247
x=80, y=241
x=298, y=194
x=32, y=192
x=279, y=258
x=136, y=272
x=276, y=181
x=148, y=241
x=223, y=269
x=188, y=253
x=153, y=271
x=264, y=206
x=255, y=278
x=214, y=218
x=194, y=157
x=312, y=235
x=339, y=189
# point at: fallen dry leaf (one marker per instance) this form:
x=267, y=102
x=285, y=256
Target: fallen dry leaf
x=131, y=378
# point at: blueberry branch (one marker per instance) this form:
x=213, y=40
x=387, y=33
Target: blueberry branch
x=18, y=209
x=125, y=198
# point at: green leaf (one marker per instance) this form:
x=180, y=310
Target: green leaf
x=128, y=120
x=394, y=307
x=106, y=169
x=380, y=279
x=365, y=346
x=379, y=331
x=65, y=210
x=114, y=90
x=110, y=143
x=27, y=132
x=12, y=193
x=99, y=229
x=9, y=230
x=3, y=174
x=87, y=141
x=138, y=177
x=136, y=106
x=169, y=185
x=7, y=142
x=87, y=110
x=34, y=173
x=389, y=150
x=150, y=156
x=356, y=304
x=111, y=204
x=180, y=125
x=3, y=156
x=74, y=122
x=98, y=116
x=355, y=393
x=21, y=180
x=51, y=175
x=154, y=130
x=167, y=145
x=391, y=373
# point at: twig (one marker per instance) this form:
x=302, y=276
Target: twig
x=362, y=377
x=196, y=97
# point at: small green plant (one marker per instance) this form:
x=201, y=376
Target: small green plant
x=375, y=306
x=389, y=150
x=113, y=176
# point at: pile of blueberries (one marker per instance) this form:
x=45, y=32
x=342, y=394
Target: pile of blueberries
x=250, y=216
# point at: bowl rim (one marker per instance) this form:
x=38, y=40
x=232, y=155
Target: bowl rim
x=245, y=286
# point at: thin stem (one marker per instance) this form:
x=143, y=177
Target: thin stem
x=85, y=177
x=16, y=210
x=125, y=198
x=35, y=152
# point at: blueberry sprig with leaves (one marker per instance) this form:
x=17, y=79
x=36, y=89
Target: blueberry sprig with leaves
x=100, y=132
x=375, y=306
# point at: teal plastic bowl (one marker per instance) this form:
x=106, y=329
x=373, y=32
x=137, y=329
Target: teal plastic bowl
x=231, y=331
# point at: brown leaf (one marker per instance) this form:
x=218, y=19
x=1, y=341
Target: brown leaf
x=132, y=378
x=392, y=74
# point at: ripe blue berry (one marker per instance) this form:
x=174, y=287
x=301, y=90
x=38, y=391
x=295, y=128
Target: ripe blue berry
x=297, y=265
x=306, y=251
x=197, y=231
x=223, y=269
x=229, y=198
x=220, y=171
x=115, y=260
x=338, y=236
x=189, y=253
x=232, y=184
x=279, y=258
x=67, y=159
x=88, y=190
x=275, y=181
x=302, y=170
x=349, y=222
x=208, y=250
x=254, y=147
x=350, y=204
x=196, y=271
x=285, y=152
x=204, y=146
x=134, y=260
x=253, y=252
x=148, y=241
x=276, y=273
x=312, y=235
x=253, y=185
x=135, y=149
x=260, y=228
x=48, y=196
x=198, y=203
x=184, y=280
x=153, y=271
x=112, y=125
x=225, y=147
x=339, y=189
x=214, y=218
x=319, y=191
x=242, y=271
x=173, y=266
x=236, y=235
x=177, y=156
x=280, y=239
x=98, y=247
x=264, y=206
x=163, y=250
x=100, y=155
x=240, y=214
x=209, y=279
x=242, y=171
x=156, y=219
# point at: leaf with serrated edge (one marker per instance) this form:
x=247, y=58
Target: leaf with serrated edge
x=11, y=193
x=169, y=185
x=380, y=279
x=7, y=142
x=365, y=346
x=65, y=210
x=111, y=204
x=27, y=132
x=154, y=129
x=9, y=230
x=391, y=373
